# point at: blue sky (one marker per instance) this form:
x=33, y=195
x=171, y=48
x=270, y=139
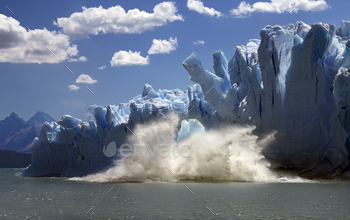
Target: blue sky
x=145, y=45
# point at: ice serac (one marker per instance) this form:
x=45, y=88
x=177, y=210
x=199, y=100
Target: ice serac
x=189, y=127
x=344, y=29
x=274, y=57
x=213, y=86
x=296, y=84
x=342, y=99
x=227, y=89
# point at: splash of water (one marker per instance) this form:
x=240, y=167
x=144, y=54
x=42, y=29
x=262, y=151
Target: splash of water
x=226, y=154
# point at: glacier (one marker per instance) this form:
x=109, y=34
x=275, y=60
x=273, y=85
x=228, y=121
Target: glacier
x=73, y=147
x=294, y=81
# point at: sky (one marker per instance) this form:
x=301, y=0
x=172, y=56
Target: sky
x=60, y=57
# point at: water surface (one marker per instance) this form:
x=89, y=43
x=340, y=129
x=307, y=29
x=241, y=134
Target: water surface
x=60, y=198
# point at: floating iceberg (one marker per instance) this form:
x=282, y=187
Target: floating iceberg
x=295, y=80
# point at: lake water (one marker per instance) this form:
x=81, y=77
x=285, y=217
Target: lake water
x=60, y=198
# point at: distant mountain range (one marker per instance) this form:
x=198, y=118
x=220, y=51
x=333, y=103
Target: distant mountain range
x=17, y=134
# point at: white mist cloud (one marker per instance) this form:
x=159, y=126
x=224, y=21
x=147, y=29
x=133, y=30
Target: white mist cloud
x=229, y=154
x=83, y=78
x=102, y=67
x=116, y=20
x=279, y=6
x=73, y=87
x=163, y=46
x=198, y=6
x=125, y=58
x=19, y=45
x=199, y=42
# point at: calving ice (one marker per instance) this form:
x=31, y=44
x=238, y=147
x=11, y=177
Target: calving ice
x=226, y=154
x=294, y=83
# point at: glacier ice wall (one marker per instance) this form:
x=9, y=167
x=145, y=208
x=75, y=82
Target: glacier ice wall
x=296, y=83
x=72, y=147
x=295, y=80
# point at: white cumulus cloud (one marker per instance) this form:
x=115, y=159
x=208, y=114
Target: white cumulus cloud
x=279, y=6
x=116, y=20
x=83, y=78
x=125, y=58
x=73, y=87
x=163, y=46
x=199, y=42
x=198, y=6
x=19, y=45
x=102, y=67
x=80, y=59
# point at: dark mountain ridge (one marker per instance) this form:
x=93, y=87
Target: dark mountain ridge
x=17, y=134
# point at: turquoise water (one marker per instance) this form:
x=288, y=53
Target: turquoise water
x=60, y=198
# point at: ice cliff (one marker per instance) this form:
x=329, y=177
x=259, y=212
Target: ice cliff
x=295, y=80
x=296, y=83
x=73, y=147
